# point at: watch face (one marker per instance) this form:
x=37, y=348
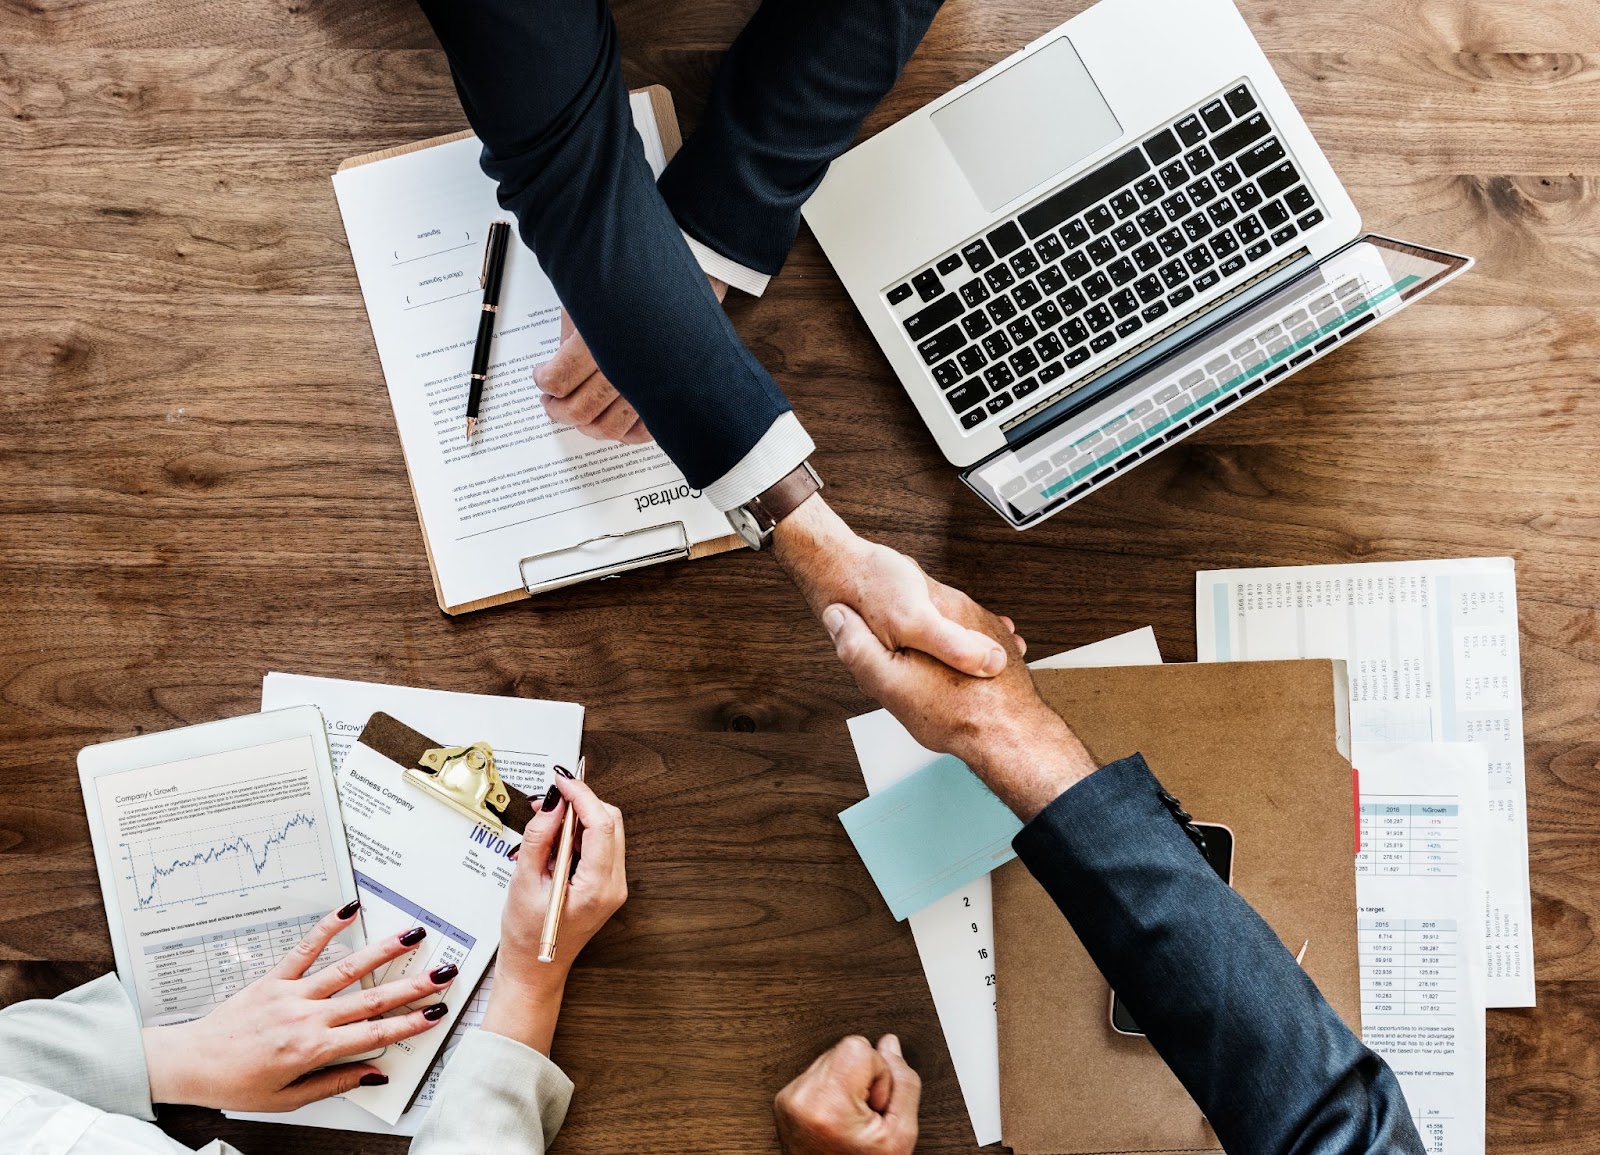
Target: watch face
x=744, y=524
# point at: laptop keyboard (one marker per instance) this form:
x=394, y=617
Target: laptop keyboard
x=1083, y=453
x=1098, y=266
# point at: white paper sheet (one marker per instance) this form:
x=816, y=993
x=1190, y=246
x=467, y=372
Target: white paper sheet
x=507, y=724
x=1433, y=655
x=1419, y=890
x=955, y=935
x=525, y=486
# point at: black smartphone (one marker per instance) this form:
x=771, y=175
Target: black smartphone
x=1219, y=853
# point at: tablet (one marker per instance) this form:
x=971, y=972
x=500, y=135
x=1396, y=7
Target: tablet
x=218, y=846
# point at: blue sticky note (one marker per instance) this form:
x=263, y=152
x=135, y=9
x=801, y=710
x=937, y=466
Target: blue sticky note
x=929, y=834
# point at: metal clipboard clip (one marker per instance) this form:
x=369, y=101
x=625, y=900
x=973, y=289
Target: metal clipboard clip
x=605, y=556
x=464, y=778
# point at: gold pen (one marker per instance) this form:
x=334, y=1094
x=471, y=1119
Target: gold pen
x=562, y=873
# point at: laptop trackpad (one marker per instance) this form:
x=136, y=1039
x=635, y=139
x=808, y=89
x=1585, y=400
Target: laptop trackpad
x=1032, y=122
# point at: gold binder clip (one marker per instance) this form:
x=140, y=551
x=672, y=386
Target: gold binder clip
x=464, y=777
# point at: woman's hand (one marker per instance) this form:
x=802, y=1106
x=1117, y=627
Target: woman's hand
x=260, y=1050
x=527, y=993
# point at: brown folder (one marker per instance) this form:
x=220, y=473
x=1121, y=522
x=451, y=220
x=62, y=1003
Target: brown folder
x=1255, y=746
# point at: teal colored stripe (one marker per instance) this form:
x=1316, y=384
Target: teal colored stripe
x=1200, y=403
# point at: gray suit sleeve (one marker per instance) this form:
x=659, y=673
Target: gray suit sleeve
x=496, y=1095
x=85, y=1044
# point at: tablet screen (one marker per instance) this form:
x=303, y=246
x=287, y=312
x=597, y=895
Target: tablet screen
x=221, y=864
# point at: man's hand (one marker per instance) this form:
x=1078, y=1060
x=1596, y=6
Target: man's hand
x=904, y=607
x=999, y=726
x=854, y=1100
x=575, y=392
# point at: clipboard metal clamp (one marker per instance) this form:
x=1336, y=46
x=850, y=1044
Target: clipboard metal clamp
x=465, y=779
x=606, y=556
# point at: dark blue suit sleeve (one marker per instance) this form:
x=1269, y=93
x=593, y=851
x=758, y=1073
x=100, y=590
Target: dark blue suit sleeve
x=541, y=84
x=1218, y=996
x=789, y=96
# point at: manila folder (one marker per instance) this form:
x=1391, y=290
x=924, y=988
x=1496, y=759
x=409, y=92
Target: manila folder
x=1254, y=746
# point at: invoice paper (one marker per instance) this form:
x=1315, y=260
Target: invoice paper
x=529, y=737
x=1419, y=891
x=420, y=863
x=1432, y=650
x=525, y=486
x=955, y=934
x=222, y=863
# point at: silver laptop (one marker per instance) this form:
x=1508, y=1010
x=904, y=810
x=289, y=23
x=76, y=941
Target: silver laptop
x=1101, y=244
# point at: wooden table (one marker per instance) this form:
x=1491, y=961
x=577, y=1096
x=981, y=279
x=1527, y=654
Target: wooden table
x=200, y=482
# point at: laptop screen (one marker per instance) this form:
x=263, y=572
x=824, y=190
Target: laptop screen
x=1366, y=281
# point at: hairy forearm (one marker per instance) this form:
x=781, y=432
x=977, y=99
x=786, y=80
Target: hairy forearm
x=1030, y=762
x=812, y=543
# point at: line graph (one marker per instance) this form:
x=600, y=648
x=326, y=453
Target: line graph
x=277, y=849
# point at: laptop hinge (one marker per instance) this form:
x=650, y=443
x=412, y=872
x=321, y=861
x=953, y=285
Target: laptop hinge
x=1164, y=344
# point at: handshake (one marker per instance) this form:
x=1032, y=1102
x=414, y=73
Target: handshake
x=952, y=673
x=948, y=669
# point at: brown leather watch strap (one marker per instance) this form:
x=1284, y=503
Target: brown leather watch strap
x=783, y=498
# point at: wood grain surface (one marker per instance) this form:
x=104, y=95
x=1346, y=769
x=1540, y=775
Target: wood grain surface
x=200, y=482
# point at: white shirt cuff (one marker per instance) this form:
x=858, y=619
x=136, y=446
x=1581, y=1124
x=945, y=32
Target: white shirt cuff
x=714, y=264
x=781, y=449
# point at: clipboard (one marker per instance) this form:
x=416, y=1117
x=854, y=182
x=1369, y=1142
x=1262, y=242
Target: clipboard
x=451, y=775
x=432, y=830
x=598, y=558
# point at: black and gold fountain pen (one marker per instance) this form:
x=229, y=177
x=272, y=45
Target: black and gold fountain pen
x=494, y=265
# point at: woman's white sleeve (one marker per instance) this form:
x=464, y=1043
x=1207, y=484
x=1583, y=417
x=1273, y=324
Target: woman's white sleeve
x=85, y=1044
x=496, y=1095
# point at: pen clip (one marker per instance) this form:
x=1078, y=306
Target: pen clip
x=488, y=247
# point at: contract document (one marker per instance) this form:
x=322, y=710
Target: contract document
x=528, y=503
x=529, y=738
x=1419, y=894
x=1433, y=655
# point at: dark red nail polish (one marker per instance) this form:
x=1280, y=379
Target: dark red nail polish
x=436, y=1012
x=550, y=799
x=512, y=853
x=444, y=974
x=349, y=909
x=413, y=936
x=564, y=772
x=373, y=1079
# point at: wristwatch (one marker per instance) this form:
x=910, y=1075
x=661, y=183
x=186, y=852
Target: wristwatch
x=757, y=518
